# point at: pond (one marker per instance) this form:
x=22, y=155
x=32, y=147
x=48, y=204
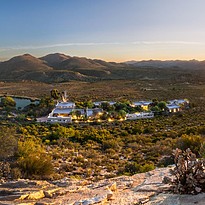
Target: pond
x=23, y=102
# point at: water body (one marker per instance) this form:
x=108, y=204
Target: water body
x=23, y=102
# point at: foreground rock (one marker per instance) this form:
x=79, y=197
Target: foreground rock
x=147, y=188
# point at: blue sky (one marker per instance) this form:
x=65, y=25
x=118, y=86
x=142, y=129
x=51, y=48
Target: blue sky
x=113, y=30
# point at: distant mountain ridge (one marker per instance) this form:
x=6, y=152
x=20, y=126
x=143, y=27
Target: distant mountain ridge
x=168, y=63
x=58, y=67
x=55, y=67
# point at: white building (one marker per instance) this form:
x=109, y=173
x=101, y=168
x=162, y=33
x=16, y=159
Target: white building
x=59, y=119
x=143, y=104
x=140, y=115
x=64, y=112
x=173, y=108
x=179, y=102
x=65, y=105
x=99, y=103
x=177, y=105
x=61, y=113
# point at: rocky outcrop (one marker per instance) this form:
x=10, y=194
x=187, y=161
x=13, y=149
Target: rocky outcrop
x=149, y=188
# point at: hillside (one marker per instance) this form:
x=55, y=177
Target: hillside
x=191, y=64
x=27, y=67
x=25, y=63
x=55, y=68
x=88, y=67
x=21, y=67
x=54, y=59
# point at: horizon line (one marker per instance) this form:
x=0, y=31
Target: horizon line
x=92, y=58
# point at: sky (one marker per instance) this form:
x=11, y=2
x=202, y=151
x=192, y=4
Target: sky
x=112, y=30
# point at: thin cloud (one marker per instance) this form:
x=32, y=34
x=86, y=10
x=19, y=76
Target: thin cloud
x=56, y=45
x=168, y=43
x=31, y=47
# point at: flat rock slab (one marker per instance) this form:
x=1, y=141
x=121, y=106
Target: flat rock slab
x=146, y=188
x=174, y=199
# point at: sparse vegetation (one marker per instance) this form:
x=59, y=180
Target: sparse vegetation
x=100, y=150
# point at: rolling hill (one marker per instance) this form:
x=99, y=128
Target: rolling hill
x=62, y=68
x=54, y=59
x=55, y=68
x=191, y=64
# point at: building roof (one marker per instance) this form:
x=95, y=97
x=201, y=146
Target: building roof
x=140, y=103
x=62, y=110
x=65, y=104
x=173, y=106
x=97, y=103
x=179, y=101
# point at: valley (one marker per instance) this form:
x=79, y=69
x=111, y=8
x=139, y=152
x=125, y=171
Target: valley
x=95, y=151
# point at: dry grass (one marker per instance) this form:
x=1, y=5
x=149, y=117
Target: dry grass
x=108, y=90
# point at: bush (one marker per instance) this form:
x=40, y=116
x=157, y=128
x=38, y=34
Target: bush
x=192, y=142
x=33, y=160
x=189, y=173
x=15, y=173
x=202, y=150
x=8, y=142
x=8, y=102
x=36, y=165
x=134, y=168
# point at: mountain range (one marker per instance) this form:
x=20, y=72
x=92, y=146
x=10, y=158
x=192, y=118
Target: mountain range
x=61, y=68
x=191, y=64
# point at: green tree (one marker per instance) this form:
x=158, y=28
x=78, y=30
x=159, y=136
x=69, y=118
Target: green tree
x=55, y=94
x=155, y=109
x=162, y=105
x=8, y=102
x=88, y=104
x=107, y=107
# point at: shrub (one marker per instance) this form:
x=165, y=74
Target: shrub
x=32, y=159
x=189, y=173
x=190, y=141
x=147, y=167
x=16, y=173
x=133, y=168
x=8, y=102
x=8, y=142
x=36, y=165
x=202, y=150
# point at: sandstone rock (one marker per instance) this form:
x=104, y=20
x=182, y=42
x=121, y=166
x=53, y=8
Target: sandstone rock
x=36, y=195
x=109, y=195
x=145, y=190
x=24, y=196
x=51, y=192
x=113, y=187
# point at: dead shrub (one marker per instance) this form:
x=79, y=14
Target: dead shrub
x=189, y=173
